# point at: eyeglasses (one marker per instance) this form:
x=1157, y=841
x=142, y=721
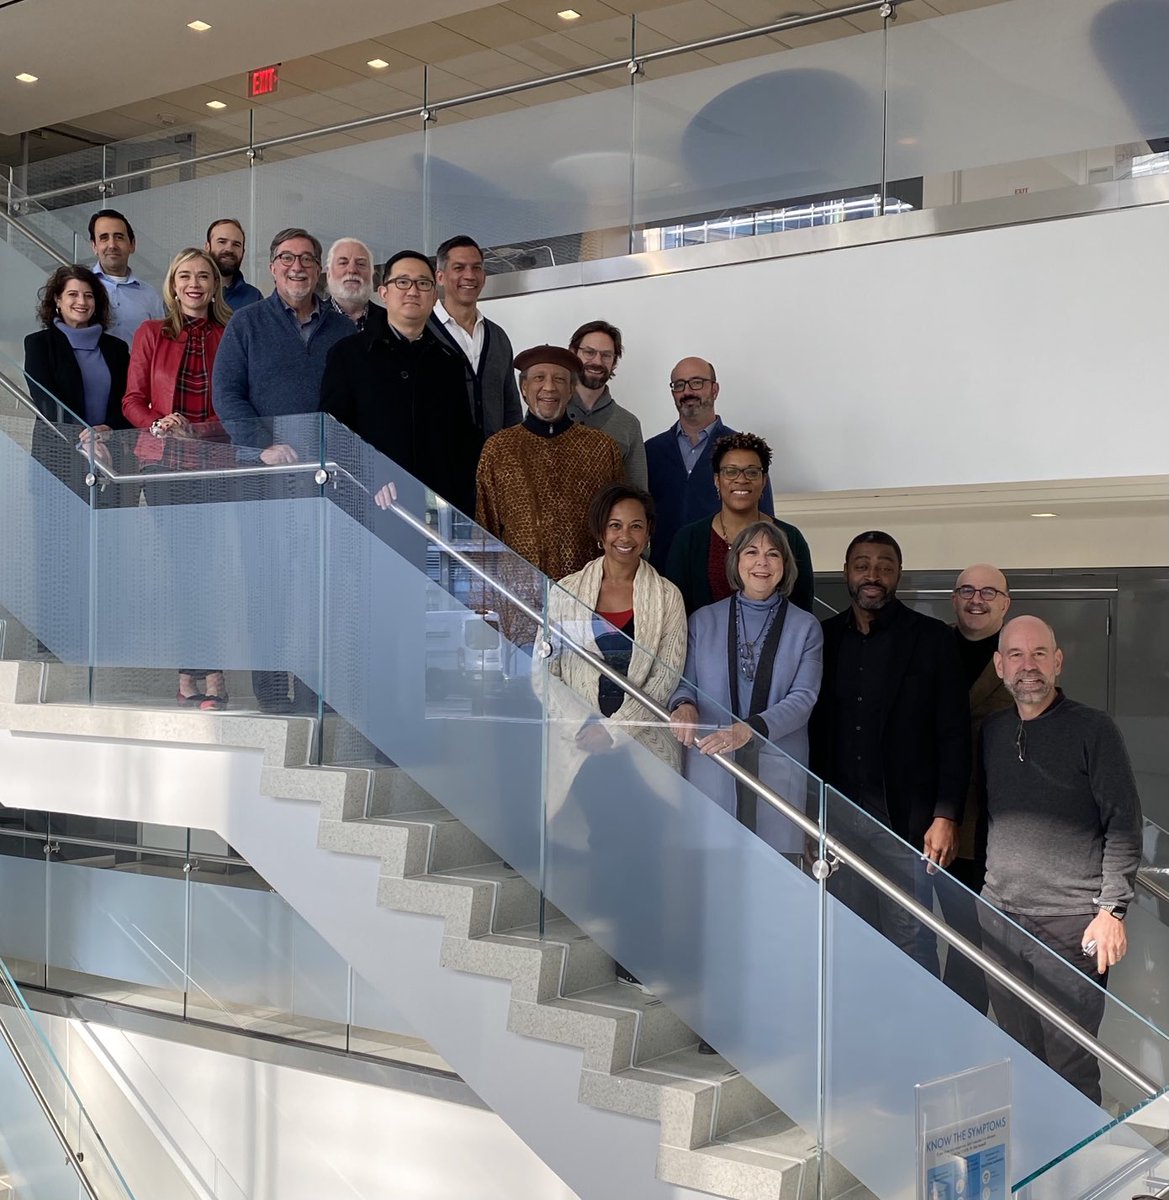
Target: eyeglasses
x=1021, y=742
x=404, y=283
x=987, y=593
x=286, y=258
x=751, y=474
x=695, y=384
x=588, y=353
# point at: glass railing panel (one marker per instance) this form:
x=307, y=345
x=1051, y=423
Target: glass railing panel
x=256, y=965
x=24, y=267
x=502, y=170
x=746, y=140
x=902, y=979
x=42, y=1118
x=44, y=498
x=117, y=925
x=23, y=901
x=1053, y=112
x=189, y=499
x=438, y=682
x=365, y=183
x=62, y=240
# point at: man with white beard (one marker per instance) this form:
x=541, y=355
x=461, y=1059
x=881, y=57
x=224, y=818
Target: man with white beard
x=349, y=275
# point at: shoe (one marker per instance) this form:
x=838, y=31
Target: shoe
x=629, y=979
x=193, y=701
x=704, y=1047
x=213, y=703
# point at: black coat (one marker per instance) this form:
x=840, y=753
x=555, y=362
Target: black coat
x=53, y=375
x=409, y=401
x=925, y=730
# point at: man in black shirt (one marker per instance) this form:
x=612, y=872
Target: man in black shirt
x=891, y=731
x=981, y=599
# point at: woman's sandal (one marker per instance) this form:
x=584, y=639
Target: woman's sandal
x=192, y=701
x=213, y=703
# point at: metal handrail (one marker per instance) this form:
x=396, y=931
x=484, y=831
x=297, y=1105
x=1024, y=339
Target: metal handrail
x=17, y=394
x=36, y=239
x=631, y=62
x=71, y=1155
x=812, y=830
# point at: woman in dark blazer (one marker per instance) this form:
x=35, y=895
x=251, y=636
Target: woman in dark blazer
x=758, y=657
x=76, y=373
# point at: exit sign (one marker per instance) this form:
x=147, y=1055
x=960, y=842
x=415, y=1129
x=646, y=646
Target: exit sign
x=263, y=81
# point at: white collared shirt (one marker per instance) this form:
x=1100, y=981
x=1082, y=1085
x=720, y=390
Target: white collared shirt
x=470, y=343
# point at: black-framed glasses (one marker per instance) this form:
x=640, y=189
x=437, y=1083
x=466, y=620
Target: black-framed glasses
x=695, y=383
x=404, y=283
x=588, y=353
x=751, y=474
x=987, y=593
x=1021, y=742
x=286, y=258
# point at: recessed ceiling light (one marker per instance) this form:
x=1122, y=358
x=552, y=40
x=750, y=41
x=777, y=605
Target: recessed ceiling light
x=568, y=14
x=198, y=26
x=216, y=104
x=1045, y=514
x=378, y=64
x=25, y=77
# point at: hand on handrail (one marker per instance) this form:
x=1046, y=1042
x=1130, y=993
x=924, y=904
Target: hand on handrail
x=684, y=723
x=385, y=496
x=173, y=423
x=95, y=434
x=278, y=455
x=726, y=741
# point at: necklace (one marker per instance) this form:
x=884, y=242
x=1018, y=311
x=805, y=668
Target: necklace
x=720, y=525
x=748, y=650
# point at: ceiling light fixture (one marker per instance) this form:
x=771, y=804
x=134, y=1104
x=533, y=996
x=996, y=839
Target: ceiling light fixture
x=216, y=104
x=198, y=26
x=568, y=14
x=1045, y=514
x=25, y=77
x=378, y=64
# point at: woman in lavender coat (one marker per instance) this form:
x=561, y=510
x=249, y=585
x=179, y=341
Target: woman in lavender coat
x=772, y=653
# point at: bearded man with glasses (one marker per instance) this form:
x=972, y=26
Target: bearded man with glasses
x=679, y=460
x=599, y=347
x=267, y=371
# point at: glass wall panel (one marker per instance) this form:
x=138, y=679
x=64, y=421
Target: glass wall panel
x=745, y=139
x=1038, y=94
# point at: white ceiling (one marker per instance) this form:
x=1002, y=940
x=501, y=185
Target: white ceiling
x=90, y=55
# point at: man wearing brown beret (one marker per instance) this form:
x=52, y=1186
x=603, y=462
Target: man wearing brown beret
x=535, y=480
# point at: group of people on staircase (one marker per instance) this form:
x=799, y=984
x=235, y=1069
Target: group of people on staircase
x=691, y=600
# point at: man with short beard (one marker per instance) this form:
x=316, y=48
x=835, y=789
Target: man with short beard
x=891, y=732
x=598, y=346
x=1063, y=848
x=349, y=276
x=225, y=242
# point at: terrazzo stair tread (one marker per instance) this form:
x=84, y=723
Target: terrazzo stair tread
x=452, y=843
x=514, y=900
x=586, y=965
x=659, y=1031
x=741, y=1174
x=393, y=791
x=741, y=1103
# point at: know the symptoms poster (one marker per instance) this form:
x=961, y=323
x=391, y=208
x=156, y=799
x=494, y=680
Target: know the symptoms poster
x=968, y=1160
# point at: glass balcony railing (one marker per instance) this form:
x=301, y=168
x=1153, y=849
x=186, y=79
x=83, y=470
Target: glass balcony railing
x=614, y=136
x=134, y=562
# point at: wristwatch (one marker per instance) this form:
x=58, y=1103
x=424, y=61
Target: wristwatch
x=1119, y=911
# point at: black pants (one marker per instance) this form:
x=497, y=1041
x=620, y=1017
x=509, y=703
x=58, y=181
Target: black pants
x=961, y=912
x=1073, y=990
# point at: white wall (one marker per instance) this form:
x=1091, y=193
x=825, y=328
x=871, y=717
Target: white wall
x=1018, y=353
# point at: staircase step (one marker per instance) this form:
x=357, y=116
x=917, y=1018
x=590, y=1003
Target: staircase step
x=452, y=844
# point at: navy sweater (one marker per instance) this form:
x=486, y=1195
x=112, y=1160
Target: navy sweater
x=263, y=369
x=680, y=498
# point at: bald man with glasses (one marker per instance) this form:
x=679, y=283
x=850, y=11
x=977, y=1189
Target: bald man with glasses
x=678, y=461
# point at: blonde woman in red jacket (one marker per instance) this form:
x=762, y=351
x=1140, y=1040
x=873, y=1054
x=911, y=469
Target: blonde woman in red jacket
x=168, y=396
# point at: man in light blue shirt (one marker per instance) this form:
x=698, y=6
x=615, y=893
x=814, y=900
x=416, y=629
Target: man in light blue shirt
x=132, y=301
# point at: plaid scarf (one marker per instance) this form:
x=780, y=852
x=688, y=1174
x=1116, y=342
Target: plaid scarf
x=193, y=382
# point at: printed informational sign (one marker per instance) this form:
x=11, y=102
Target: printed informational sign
x=967, y=1160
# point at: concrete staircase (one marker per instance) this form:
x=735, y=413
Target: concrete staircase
x=718, y=1134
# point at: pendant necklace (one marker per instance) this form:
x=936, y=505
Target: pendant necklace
x=748, y=650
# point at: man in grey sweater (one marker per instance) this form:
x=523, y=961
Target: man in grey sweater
x=1063, y=847
x=598, y=346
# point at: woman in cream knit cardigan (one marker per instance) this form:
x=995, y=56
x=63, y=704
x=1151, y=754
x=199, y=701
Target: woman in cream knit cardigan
x=611, y=763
